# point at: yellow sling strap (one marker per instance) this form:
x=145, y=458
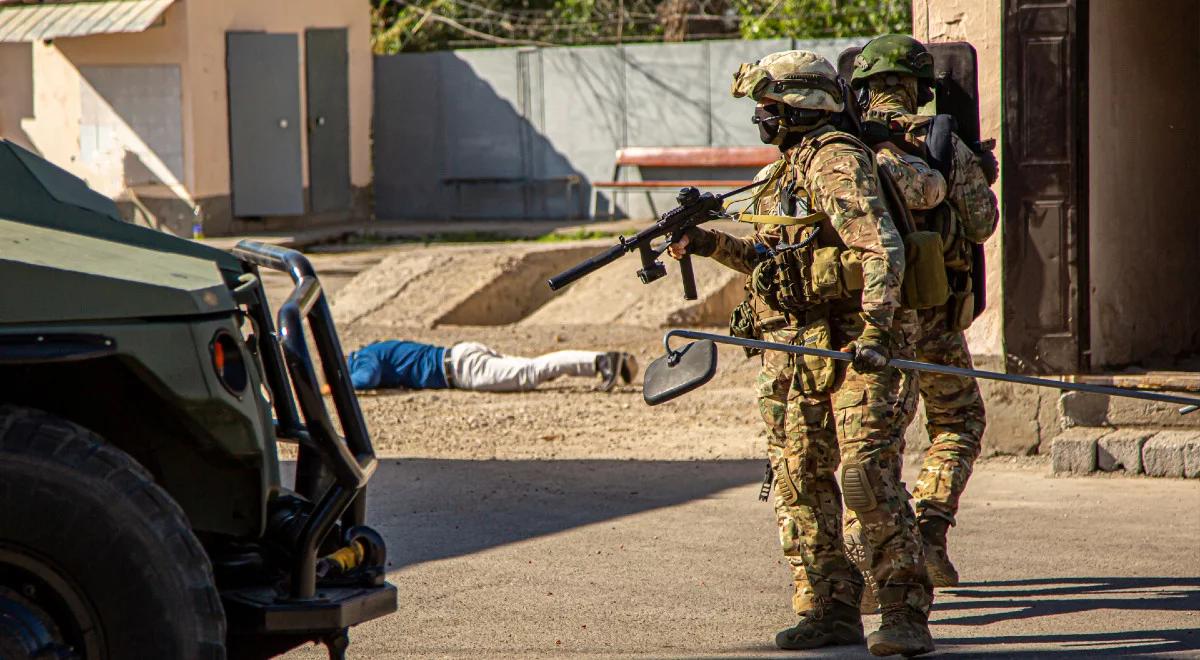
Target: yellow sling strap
x=783, y=220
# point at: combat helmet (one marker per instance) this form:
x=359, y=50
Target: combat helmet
x=796, y=78
x=892, y=53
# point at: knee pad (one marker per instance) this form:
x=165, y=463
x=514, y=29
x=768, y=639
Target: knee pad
x=787, y=487
x=857, y=491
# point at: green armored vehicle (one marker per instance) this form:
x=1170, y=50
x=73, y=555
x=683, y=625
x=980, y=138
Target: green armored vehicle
x=144, y=386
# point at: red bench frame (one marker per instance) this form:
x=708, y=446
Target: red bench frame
x=690, y=157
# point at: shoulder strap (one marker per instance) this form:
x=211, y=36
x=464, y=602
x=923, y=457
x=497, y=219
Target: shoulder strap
x=940, y=145
x=782, y=220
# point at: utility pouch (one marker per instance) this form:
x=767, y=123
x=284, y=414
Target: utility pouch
x=814, y=374
x=826, y=274
x=852, y=273
x=960, y=311
x=925, y=285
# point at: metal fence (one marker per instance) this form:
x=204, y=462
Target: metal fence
x=522, y=133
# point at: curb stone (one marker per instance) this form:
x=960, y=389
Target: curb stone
x=1074, y=451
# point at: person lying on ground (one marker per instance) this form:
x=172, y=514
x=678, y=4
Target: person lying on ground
x=474, y=366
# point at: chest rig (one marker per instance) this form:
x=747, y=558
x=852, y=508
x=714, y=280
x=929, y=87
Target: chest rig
x=809, y=266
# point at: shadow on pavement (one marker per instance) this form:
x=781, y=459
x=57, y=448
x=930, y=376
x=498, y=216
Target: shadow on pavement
x=431, y=509
x=1041, y=597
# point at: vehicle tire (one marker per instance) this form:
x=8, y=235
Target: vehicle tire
x=95, y=552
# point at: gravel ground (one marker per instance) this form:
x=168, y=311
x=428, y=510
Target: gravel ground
x=567, y=522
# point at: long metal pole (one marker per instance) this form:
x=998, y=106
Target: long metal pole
x=1190, y=404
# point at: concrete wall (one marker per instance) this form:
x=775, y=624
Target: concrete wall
x=1144, y=70
x=545, y=113
x=981, y=23
x=191, y=37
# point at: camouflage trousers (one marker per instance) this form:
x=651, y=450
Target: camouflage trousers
x=955, y=417
x=854, y=421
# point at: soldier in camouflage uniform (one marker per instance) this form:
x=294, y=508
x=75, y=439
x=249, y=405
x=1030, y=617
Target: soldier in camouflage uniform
x=824, y=267
x=894, y=76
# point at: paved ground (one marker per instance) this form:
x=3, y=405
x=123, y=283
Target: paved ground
x=529, y=558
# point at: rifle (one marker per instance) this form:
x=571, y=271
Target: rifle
x=695, y=208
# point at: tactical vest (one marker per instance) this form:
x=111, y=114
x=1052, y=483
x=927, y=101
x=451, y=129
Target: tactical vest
x=811, y=266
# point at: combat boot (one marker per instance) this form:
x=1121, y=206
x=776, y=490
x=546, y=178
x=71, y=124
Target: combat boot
x=904, y=631
x=829, y=623
x=860, y=556
x=937, y=560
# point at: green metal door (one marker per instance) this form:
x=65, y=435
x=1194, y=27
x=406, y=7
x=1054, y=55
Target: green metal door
x=328, y=119
x=264, y=124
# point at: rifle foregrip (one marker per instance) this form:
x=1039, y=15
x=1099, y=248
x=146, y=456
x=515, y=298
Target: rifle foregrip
x=585, y=267
x=689, y=277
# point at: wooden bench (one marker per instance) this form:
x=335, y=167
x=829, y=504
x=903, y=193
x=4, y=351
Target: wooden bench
x=645, y=158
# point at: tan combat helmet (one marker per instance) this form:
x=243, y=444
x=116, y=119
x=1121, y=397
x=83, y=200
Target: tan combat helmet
x=797, y=78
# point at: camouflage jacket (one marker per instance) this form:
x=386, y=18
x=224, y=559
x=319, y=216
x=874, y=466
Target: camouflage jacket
x=968, y=191
x=840, y=180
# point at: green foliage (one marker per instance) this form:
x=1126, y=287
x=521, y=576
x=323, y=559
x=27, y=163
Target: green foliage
x=424, y=25
x=812, y=19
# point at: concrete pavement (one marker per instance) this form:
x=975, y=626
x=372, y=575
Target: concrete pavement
x=679, y=559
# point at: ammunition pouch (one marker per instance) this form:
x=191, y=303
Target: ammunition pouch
x=742, y=323
x=925, y=283
x=753, y=320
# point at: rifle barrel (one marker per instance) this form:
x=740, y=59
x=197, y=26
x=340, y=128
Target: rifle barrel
x=586, y=267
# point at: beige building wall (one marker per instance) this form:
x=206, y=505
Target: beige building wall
x=207, y=24
x=191, y=37
x=54, y=128
x=981, y=23
x=16, y=91
x=1144, y=77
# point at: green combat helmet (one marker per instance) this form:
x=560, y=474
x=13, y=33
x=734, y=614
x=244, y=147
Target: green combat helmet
x=892, y=53
x=797, y=78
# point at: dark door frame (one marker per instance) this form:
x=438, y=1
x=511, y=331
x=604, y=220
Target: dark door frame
x=1045, y=186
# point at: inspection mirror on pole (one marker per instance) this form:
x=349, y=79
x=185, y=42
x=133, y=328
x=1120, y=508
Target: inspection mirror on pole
x=679, y=372
x=682, y=370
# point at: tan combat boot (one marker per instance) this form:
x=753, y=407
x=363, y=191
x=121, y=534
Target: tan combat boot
x=860, y=555
x=829, y=623
x=937, y=560
x=905, y=631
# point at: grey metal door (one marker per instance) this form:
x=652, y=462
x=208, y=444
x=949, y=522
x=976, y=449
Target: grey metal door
x=264, y=123
x=328, y=119
x=1045, y=186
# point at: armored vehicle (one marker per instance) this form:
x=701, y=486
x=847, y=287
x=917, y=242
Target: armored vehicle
x=145, y=389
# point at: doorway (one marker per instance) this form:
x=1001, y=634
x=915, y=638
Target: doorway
x=1101, y=243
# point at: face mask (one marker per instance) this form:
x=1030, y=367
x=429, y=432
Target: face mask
x=893, y=92
x=767, y=118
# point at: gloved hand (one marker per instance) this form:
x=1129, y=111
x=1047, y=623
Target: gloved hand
x=870, y=350
x=989, y=165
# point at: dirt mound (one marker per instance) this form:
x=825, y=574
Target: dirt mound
x=616, y=295
x=501, y=283
x=489, y=284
